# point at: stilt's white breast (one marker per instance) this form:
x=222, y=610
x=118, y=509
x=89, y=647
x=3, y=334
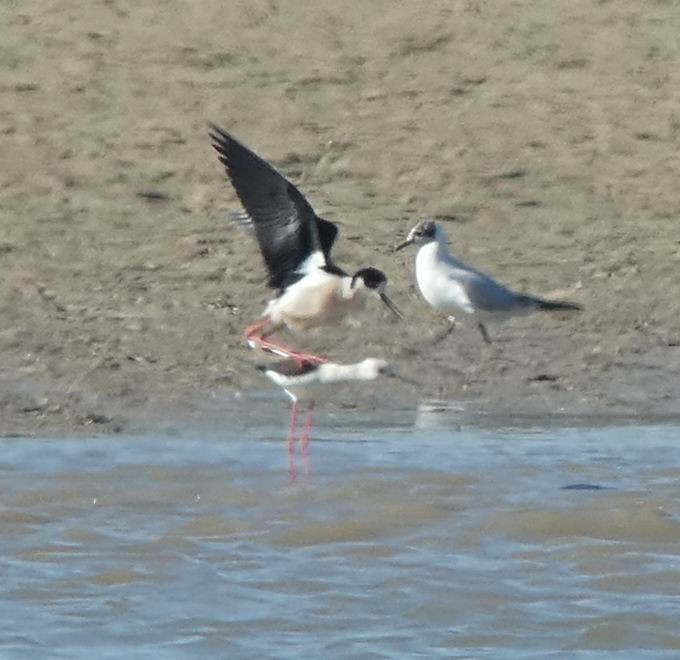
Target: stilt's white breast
x=317, y=299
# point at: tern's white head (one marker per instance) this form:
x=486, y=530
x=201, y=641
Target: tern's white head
x=424, y=232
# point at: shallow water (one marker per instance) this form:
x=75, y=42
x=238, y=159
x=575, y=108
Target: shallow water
x=415, y=534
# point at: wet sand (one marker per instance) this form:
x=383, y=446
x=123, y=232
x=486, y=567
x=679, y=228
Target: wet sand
x=548, y=143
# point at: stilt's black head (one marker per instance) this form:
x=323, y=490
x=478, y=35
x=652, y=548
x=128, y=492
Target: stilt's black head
x=371, y=277
x=375, y=280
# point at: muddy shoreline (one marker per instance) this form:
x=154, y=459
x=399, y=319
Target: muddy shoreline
x=549, y=148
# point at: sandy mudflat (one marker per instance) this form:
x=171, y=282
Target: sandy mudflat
x=548, y=139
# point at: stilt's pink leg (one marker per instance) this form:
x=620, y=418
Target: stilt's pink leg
x=292, y=469
x=257, y=337
x=304, y=441
x=301, y=358
x=252, y=329
x=285, y=351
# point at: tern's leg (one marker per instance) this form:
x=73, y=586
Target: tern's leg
x=452, y=326
x=292, y=469
x=485, y=334
x=304, y=441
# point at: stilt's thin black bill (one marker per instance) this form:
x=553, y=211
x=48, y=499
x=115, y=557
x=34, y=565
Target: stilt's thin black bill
x=391, y=306
x=401, y=246
x=408, y=381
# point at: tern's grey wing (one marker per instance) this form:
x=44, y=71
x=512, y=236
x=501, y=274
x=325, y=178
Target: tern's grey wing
x=487, y=295
x=285, y=224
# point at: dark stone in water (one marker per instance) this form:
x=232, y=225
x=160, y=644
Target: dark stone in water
x=583, y=487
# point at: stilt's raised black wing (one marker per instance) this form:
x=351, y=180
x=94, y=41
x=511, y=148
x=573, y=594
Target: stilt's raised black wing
x=328, y=231
x=287, y=229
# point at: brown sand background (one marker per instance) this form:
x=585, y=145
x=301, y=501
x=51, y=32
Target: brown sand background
x=546, y=132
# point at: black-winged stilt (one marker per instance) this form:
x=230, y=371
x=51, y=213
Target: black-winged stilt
x=296, y=245
x=306, y=382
